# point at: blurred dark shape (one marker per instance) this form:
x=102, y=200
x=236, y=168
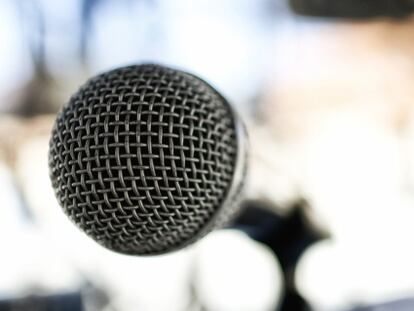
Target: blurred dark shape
x=293, y=301
x=354, y=9
x=62, y=302
x=33, y=17
x=397, y=305
x=288, y=236
x=37, y=98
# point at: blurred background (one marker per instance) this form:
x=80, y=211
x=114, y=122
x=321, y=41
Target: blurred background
x=326, y=88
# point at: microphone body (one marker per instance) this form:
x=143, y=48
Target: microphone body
x=147, y=159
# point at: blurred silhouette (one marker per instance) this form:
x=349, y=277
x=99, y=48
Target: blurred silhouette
x=61, y=302
x=36, y=95
x=288, y=236
x=356, y=9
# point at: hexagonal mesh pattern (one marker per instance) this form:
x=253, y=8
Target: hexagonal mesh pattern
x=142, y=158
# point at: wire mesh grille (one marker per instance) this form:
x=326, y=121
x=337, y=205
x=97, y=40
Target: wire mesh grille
x=142, y=157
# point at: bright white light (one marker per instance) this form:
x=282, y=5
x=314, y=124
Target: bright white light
x=354, y=180
x=235, y=273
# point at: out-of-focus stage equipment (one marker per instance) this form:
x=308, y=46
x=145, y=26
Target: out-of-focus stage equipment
x=61, y=302
x=353, y=8
x=288, y=236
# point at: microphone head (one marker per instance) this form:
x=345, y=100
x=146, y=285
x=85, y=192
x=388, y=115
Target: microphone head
x=147, y=159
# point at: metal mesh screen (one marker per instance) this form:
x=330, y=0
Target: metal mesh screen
x=142, y=157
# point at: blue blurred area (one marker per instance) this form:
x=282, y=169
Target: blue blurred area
x=227, y=43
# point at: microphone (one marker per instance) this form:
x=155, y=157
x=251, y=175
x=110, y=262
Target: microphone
x=147, y=159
